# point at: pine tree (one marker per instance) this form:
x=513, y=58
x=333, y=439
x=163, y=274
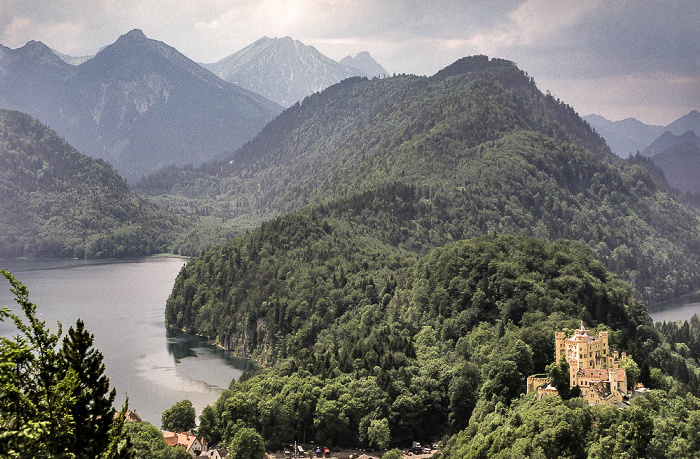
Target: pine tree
x=119, y=444
x=92, y=412
x=39, y=416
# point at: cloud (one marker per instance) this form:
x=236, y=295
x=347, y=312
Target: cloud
x=533, y=23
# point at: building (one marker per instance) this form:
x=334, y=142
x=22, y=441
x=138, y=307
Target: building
x=129, y=416
x=592, y=367
x=187, y=440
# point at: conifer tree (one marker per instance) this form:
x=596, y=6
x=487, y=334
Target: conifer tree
x=92, y=411
x=55, y=401
x=40, y=418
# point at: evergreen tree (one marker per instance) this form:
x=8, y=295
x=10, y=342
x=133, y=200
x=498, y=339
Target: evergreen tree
x=38, y=416
x=119, y=444
x=54, y=403
x=559, y=377
x=92, y=411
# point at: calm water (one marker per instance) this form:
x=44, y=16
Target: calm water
x=680, y=309
x=122, y=304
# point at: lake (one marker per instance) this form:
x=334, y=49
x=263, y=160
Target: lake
x=122, y=303
x=678, y=309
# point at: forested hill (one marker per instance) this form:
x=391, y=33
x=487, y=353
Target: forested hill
x=370, y=339
x=314, y=149
x=481, y=149
x=57, y=202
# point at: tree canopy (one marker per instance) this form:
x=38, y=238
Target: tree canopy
x=181, y=417
x=56, y=401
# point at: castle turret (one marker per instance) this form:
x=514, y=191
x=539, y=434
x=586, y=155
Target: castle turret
x=559, y=345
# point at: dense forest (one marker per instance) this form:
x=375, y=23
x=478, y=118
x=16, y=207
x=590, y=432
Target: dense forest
x=482, y=151
x=57, y=202
x=448, y=227
x=375, y=347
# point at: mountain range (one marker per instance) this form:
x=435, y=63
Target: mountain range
x=672, y=148
x=629, y=136
x=286, y=71
x=421, y=161
x=422, y=239
x=139, y=103
x=410, y=287
x=667, y=140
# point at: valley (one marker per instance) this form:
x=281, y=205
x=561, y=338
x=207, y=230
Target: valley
x=396, y=253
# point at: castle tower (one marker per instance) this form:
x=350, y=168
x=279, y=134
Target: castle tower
x=559, y=346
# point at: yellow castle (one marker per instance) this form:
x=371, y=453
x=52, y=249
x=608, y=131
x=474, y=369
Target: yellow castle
x=592, y=367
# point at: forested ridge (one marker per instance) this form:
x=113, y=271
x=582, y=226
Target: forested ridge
x=483, y=151
x=57, y=202
x=370, y=343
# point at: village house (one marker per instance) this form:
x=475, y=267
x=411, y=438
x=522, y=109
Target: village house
x=187, y=440
x=129, y=416
x=592, y=368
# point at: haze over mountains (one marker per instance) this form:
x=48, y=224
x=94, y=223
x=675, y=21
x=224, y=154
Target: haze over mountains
x=674, y=148
x=139, y=103
x=286, y=71
x=410, y=246
x=630, y=135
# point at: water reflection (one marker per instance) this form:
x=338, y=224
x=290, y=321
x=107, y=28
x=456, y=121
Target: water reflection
x=121, y=303
x=182, y=345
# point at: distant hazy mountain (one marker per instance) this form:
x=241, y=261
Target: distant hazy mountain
x=681, y=166
x=365, y=64
x=668, y=140
x=57, y=202
x=285, y=70
x=30, y=78
x=624, y=137
x=630, y=136
x=689, y=122
x=138, y=103
x=678, y=156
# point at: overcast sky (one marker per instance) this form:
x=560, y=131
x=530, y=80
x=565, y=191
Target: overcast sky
x=616, y=58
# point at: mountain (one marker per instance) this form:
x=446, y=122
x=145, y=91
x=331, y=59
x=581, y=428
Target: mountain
x=689, y=122
x=629, y=136
x=57, y=202
x=138, y=103
x=365, y=64
x=679, y=158
x=379, y=315
x=31, y=78
x=667, y=140
x=420, y=161
x=282, y=69
x=624, y=137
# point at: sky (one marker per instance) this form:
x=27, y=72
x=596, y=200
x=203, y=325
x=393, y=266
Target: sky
x=615, y=58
